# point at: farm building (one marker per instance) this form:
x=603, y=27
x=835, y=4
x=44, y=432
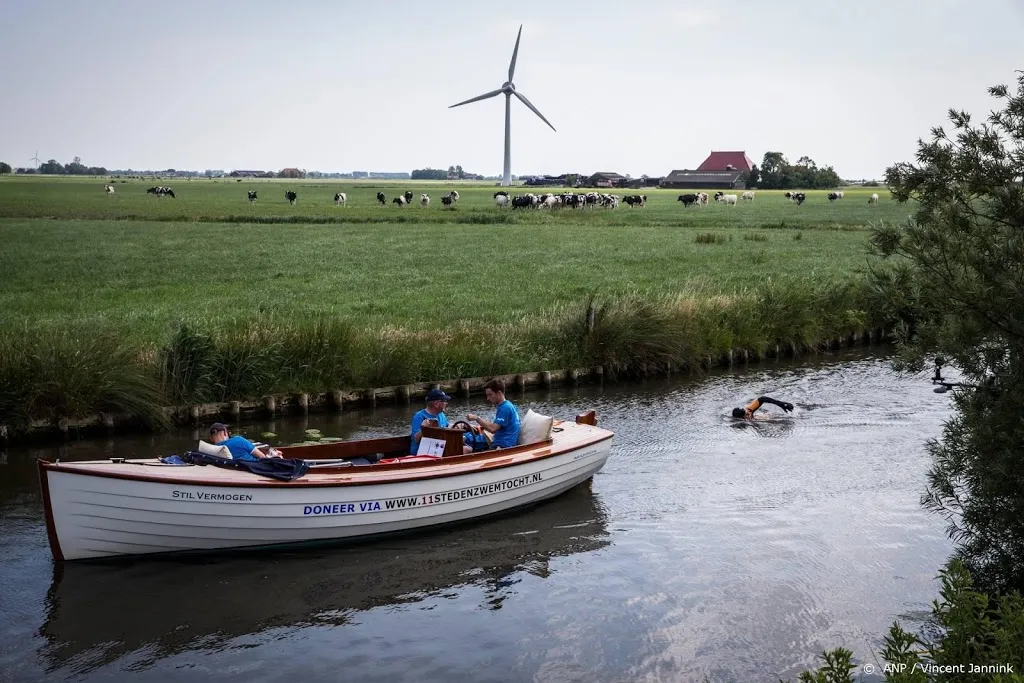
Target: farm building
x=605, y=179
x=726, y=161
x=707, y=180
x=245, y=174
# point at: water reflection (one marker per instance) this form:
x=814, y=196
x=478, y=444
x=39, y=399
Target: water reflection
x=97, y=614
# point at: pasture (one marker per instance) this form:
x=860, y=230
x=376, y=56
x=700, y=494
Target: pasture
x=76, y=256
x=127, y=302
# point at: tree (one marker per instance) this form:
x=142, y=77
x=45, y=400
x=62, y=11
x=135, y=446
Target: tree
x=953, y=277
x=459, y=172
x=51, y=167
x=5, y=168
x=753, y=175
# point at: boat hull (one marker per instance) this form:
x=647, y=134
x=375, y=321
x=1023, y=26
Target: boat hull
x=91, y=516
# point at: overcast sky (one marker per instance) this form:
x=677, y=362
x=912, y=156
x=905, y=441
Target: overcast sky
x=632, y=87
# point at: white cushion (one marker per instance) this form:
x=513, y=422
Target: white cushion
x=535, y=427
x=212, y=449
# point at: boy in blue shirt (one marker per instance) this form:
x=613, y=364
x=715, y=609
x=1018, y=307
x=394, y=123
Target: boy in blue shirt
x=506, y=421
x=437, y=400
x=241, y=448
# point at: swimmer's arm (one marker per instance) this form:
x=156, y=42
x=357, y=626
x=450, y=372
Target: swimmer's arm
x=787, y=407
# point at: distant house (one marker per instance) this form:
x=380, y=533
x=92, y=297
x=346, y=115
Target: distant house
x=245, y=174
x=605, y=179
x=726, y=161
x=705, y=180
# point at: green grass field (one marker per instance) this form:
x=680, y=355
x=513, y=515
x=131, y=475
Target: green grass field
x=74, y=255
x=128, y=302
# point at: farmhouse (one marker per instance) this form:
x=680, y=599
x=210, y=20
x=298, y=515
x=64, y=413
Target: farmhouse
x=605, y=179
x=726, y=161
x=711, y=180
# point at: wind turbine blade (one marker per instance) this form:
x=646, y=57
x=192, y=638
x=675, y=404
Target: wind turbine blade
x=478, y=98
x=515, y=53
x=525, y=101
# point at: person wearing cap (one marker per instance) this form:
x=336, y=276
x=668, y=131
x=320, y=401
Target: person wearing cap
x=437, y=400
x=505, y=427
x=241, y=448
x=747, y=412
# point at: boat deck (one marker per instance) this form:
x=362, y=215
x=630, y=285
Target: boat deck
x=567, y=436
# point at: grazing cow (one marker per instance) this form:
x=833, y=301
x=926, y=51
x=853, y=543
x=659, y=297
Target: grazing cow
x=501, y=198
x=399, y=200
x=446, y=200
x=748, y=195
x=340, y=198
x=873, y=201
x=382, y=199
x=252, y=196
x=500, y=193
x=798, y=197
x=109, y=189
x=688, y=199
x=840, y=193
x=726, y=198
x=161, y=191
x=635, y=200
x=454, y=194
x=291, y=197
x=424, y=200
x=832, y=196
x=408, y=196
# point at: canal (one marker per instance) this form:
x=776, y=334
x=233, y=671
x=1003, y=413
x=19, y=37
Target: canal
x=706, y=548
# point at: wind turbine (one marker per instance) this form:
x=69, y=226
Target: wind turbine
x=509, y=89
x=36, y=159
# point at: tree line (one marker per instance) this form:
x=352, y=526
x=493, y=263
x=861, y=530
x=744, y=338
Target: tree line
x=776, y=173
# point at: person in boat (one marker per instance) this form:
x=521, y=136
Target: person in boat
x=433, y=416
x=241, y=448
x=504, y=428
x=747, y=412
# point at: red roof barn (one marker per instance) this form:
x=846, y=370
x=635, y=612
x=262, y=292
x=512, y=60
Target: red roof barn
x=726, y=161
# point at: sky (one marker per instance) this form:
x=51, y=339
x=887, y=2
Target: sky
x=631, y=87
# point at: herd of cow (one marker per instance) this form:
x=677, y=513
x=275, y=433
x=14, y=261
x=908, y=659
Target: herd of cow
x=529, y=200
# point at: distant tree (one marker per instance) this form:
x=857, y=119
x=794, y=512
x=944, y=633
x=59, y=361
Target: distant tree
x=5, y=168
x=451, y=170
x=429, y=174
x=806, y=162
x=51, y=167
x=459, y=172
x=753, y=176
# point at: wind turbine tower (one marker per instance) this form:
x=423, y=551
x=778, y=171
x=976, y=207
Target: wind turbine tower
x=508, y=88
x=36, y=159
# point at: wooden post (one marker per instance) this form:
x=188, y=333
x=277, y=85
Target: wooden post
x=402, y=393
x=521, y=382
x=337, y=399
x=235, y=409
x=545, y=379
x=193, y=413
x=371, y=397
x=302, y=401
x=270, y=405
x=571, y=376
x=62, y=425
x=4, y=433
x=107, y=420
x=599, y=373
x=462, y=388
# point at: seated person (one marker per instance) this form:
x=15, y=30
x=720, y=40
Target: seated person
x=747, y=412
x=505, y=427
x=433, y=415
x=241, y=448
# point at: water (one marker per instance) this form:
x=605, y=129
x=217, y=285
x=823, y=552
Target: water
x=704, y=548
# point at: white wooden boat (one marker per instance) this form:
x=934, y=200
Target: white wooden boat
x=98, y=509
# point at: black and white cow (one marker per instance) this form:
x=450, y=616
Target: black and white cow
x=109, y=189
x=252, y=196
x=399, y=200
x=688, y=199
x=635, y=200
x=446, y=200
x=408, y=196
x=161, y=191
x=832, y=196
x=382, y=199
x=340, y=198
x=799, y=198
x=291, y=197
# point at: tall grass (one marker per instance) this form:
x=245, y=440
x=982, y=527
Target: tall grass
x=46, y=377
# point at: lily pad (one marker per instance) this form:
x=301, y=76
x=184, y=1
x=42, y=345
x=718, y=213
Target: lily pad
x=268, y=435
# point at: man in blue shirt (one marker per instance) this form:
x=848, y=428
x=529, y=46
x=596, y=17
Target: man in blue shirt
x=505, y=427
x=437, y=400
x=241, y=448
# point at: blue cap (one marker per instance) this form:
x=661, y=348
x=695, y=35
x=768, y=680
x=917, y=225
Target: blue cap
x=437, y=395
